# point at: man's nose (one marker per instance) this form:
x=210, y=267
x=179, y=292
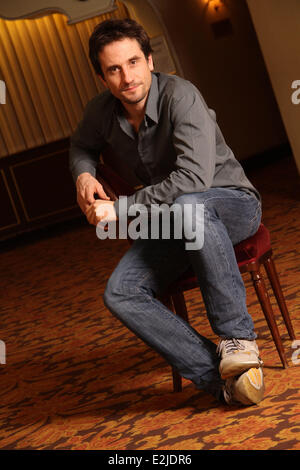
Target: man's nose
x=126, y=75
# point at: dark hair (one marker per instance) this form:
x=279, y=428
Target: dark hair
x=116, y=30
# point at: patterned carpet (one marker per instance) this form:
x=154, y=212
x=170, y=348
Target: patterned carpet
x=75, y=378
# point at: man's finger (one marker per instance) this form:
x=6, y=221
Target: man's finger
x=89, y=194
x=101, y=193
x=91, y=217
x=82, y=204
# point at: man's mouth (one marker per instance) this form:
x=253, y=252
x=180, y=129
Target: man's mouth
x=131, y=87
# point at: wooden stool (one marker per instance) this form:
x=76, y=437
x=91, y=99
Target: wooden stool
x=250, y=254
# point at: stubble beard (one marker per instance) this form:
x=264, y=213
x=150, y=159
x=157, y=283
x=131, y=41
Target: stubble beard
x=135, y=100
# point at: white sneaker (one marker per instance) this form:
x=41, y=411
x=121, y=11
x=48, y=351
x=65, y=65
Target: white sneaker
x=237, y=356
x=248, y=388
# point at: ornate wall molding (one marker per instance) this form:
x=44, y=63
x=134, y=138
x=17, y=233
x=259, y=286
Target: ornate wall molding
x=75, y=10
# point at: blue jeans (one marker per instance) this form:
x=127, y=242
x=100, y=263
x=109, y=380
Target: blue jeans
x=149, y=266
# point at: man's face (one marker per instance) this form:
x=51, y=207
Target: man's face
x=127, y=73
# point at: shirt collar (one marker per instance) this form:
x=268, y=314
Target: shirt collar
x=152, y=100
x=151, y=105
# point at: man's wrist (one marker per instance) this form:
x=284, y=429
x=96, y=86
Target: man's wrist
x=84, y=175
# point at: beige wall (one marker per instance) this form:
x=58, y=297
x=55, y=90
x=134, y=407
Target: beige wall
x=148, y=15
x=277, y=24
x=229, y=71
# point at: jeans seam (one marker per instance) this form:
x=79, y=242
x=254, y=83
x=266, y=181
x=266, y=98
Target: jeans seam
x=257, y=214
x=218, y=241
x=136, y=291
x=243, y=196
x=258, y=210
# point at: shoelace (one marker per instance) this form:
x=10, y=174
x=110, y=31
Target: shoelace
x=230, y=346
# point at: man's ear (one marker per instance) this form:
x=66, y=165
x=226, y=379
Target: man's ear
x=103, y=81
x=150, y=62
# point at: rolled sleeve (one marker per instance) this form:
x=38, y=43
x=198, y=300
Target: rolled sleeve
x=86, y=142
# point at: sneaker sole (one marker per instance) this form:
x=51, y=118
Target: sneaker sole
x=249, y=388
x=237, y=368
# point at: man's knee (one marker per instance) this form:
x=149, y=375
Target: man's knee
x=111, y=296
x=198, y=206
x=117, y=293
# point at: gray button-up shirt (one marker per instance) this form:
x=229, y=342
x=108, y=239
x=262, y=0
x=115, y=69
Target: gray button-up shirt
x=179, y=148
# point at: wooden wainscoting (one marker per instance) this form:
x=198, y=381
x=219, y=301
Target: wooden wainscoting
x=36, y=189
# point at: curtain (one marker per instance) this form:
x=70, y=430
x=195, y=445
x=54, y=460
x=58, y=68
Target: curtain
x=49, y=79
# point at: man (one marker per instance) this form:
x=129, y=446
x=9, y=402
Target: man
x=166, y=138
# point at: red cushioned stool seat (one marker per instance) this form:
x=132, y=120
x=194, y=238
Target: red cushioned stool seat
x=253, y=248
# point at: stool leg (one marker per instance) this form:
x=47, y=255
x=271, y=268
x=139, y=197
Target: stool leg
x=274, y=280
x=180, y=306
x=177, y=380
x=263, y=297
